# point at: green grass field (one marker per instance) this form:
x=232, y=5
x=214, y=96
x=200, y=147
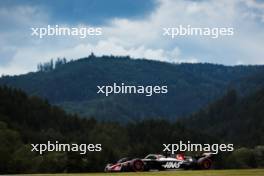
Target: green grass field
x=246, y=172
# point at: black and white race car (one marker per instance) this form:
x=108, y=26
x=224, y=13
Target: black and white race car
x=160, y=162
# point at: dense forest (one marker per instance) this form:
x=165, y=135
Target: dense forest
x=72, y=85
x=29, y=119
x=232, y=118
x=26, y=120
x=206, y=103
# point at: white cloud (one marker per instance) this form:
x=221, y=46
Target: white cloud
x=142, y=38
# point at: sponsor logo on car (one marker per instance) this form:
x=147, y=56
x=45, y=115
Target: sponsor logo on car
x=172, y=165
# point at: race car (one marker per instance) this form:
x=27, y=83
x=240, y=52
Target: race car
x=160, y=162
x=179, y=161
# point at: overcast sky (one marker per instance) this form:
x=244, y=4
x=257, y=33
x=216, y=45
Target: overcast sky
x=130, y=27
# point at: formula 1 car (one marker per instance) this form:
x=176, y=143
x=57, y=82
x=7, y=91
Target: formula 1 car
x=160, y=162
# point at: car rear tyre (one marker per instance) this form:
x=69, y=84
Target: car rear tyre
x=205, y=163
x=138, y=165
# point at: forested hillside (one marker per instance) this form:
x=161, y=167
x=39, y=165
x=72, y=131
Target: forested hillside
x=25, y=120
x=30, y=120
x=232, y=119
x=73, y=86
